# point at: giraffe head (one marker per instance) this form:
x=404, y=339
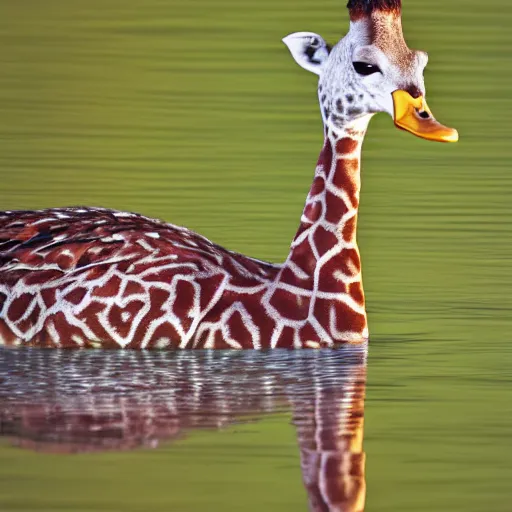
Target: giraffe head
x=370, y=70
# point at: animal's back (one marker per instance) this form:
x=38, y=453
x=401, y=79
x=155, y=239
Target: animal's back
x=76, y=277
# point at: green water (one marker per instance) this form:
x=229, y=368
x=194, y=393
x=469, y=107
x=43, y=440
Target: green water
x=194, y=112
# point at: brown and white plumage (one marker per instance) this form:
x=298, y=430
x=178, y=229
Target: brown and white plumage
x=82, y=277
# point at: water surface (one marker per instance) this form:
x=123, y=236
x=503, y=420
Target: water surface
x=76, y=402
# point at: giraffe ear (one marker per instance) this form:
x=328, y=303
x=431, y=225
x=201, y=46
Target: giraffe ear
x=309, y=50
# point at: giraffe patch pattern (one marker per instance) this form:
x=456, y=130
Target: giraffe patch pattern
x=92, y=277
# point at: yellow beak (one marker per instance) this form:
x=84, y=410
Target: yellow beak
x=413, y=115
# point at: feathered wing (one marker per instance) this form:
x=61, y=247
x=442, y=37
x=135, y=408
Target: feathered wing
x=119, y=278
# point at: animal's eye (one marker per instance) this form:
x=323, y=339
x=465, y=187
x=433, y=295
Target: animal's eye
x=365, y=69
x=315, y=42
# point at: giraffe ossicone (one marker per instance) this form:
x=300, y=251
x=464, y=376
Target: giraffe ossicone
x=92, y=277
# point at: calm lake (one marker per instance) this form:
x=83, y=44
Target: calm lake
x=194, y=112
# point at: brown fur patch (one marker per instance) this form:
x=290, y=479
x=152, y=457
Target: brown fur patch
x=387, y=35
x=362, y=8
x=385, y=28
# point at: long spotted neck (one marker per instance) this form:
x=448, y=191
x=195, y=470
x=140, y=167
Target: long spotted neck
x=324, y=257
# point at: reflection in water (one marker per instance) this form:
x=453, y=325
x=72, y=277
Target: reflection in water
x=77, y=401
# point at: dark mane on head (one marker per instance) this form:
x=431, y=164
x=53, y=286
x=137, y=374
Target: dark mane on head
x=359, y=8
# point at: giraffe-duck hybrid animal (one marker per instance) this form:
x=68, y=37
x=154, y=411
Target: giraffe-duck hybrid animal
x=92, y=277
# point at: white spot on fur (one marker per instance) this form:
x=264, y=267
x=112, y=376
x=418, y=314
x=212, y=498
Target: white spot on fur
x=162, y=343
x=145, y=245
x=78, y=340
x=54, y=334
x=67, y=252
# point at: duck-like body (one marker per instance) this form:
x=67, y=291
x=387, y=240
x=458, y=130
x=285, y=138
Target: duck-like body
x=91, y=277
x=84, y=277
